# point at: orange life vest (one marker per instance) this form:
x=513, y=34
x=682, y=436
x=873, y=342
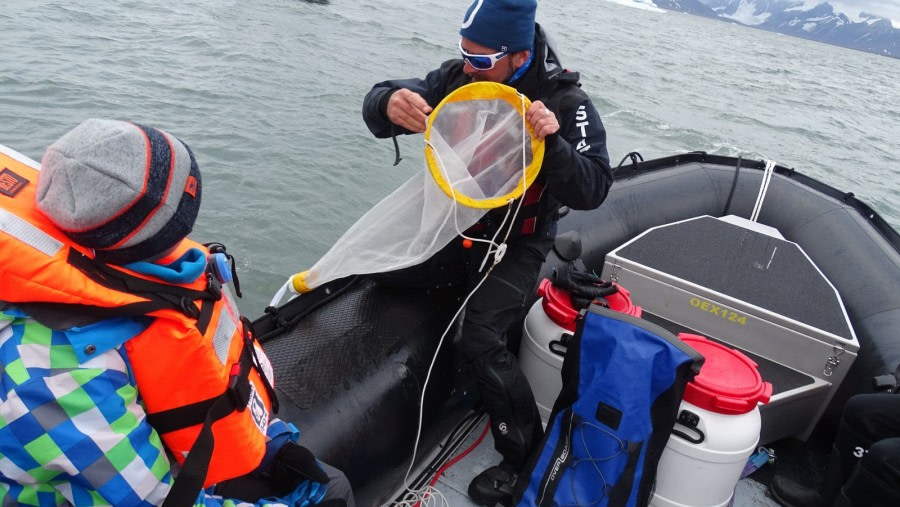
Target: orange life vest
x=196, y=363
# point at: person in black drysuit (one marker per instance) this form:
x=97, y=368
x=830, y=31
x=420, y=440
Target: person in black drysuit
x=501, y=39
x=863, y=469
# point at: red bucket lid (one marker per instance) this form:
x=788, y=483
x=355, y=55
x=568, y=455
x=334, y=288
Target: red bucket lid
x=728, y=382
x=557, y=304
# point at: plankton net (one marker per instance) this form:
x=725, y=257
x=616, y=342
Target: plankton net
x=480, y=154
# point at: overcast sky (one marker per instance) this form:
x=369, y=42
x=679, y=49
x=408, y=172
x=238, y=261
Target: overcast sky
x=852, y=8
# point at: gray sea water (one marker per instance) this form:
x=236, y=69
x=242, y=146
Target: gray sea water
x=268, y=95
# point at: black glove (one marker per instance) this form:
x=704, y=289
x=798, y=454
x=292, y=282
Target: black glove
x=583, y=287
x=292, y=465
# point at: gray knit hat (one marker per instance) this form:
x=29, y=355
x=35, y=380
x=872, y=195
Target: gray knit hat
x=128, y=191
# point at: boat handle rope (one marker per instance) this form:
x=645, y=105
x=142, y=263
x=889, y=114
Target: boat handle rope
x=763, y=188
x=737, y=172
x=636, y=159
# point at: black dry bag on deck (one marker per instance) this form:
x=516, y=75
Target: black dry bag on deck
x=623, y=379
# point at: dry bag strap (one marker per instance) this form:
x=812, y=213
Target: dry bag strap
x=622, y=489
x=562, y=454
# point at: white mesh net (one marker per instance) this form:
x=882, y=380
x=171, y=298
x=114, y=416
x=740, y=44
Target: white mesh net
x=480, y=155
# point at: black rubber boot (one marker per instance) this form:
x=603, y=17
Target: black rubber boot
x=493, y=486
x=842, y=500
x=790, y=494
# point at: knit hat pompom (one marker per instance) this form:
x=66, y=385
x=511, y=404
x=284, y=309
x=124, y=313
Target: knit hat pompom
x=127, y=191
x=504, y=25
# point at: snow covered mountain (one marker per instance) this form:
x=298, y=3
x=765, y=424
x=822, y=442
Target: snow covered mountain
x=801, y=18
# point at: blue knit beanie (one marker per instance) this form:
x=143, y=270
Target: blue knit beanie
x=504, y=25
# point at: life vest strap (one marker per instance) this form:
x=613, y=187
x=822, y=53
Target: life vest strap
x=193, y=472
x=68, y=315
x=238, y=392
x=179, y=418
x=160, y=296
x=249, y=339
x=205, y=316
x=531, y=208
x=167, y=295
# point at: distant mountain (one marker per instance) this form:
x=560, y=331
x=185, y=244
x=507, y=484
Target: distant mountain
x=689, y=6
x=873, y=33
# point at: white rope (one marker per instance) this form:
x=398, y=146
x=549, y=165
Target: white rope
x=428, y=496
x=428, y=376
x=431, y=494
x=763, y=188
x=454, y=208
x=288, y=285
x=501, y=249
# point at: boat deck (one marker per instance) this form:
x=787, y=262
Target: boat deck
x=454, y=481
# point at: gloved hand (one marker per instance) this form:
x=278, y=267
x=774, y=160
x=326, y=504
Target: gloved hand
x=291, y=465
x=584, y=288
x=294, y=464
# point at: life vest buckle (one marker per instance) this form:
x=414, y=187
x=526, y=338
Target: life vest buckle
x=213, y=286
x=238, y=388
x=189, y=308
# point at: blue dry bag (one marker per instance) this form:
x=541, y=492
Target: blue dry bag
x=623, y=379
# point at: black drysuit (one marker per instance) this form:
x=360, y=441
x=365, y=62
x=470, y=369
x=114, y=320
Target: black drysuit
x=867, y=449
x=575, y=173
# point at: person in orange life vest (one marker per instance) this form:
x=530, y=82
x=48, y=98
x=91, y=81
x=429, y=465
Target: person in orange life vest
x=127, y=376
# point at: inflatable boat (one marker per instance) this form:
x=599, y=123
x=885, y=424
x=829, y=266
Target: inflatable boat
x=816, y=306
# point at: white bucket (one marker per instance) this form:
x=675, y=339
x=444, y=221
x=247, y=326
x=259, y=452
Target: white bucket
x=724, y=397
x=549, y=325
x=539, y=364
x=705, y=474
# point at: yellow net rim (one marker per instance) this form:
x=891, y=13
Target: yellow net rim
x=484, y=90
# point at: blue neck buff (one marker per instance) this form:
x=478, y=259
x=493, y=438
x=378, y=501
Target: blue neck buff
x=521, y=70
x=184, y=269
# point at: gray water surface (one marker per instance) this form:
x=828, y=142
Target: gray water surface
x=268, y=95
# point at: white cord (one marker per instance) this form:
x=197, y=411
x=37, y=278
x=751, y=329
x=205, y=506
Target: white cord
x=430, y=493
x=423, y=497
x=763, y=189
x=428, y=376
x=501, y=249
x=491, y=242
x=288, y=285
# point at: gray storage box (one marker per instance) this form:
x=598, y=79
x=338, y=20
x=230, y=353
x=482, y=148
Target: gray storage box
x=741, y=283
